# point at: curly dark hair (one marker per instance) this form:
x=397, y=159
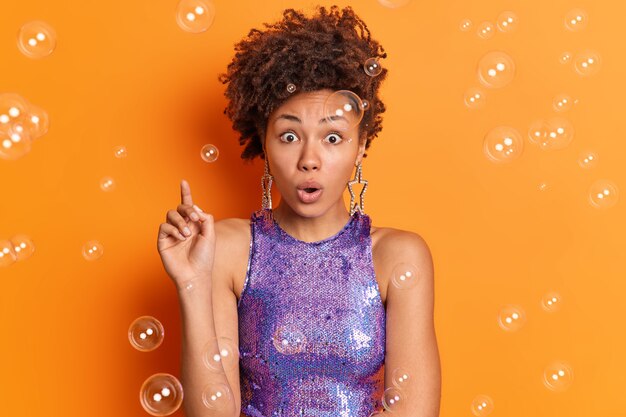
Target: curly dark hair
x=327, y=50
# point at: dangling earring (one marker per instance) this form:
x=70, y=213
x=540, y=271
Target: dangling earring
x=267, y=189
x=359, y=180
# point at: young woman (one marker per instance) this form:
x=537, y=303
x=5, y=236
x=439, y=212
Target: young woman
x=304, y=293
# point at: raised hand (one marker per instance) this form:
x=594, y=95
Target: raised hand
x=186, y=242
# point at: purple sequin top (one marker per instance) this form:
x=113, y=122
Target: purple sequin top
x=311, y=324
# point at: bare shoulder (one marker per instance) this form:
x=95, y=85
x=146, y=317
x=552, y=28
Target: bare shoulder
x=392, y=245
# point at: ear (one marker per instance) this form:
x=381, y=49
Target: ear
x=359, y=156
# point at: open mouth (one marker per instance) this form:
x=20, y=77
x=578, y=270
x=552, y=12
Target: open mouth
x=310, y=190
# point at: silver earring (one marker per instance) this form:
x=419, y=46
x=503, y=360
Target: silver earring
x=267, y=188
x=357, y=179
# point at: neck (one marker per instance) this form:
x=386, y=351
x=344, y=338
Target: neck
x=311, y=228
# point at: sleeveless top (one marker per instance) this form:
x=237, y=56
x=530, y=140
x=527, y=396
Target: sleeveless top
x=311, y=324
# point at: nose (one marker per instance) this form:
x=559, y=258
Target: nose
x=309, y=160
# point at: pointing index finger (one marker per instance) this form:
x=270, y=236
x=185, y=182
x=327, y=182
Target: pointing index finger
x=185, y=193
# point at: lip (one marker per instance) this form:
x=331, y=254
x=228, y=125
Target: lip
x=309, y=198
x=309, y=184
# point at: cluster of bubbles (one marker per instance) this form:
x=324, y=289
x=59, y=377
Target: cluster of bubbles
x=195, y=16
x=162, y=394
x=394, y=397
x=36, y=39
x=15, y=249
x=20, y=124
x=506, y=22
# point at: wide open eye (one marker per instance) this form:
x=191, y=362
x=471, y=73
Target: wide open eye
x=288, y=137
x=334, y=138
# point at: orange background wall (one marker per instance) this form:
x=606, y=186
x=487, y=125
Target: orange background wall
x=124, y=73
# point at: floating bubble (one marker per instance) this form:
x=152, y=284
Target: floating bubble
x=289, y=340
x=511, y=318
x=485, y=30
x=161, y=394
x=565, y=57
x=496, y=69
x=35, y=121
x=393, y=399
x=12, y=107
x=15, y=142
x=372, y=67
x=209, y=153
x=503, y=144
x=92, y=250
x=588, y=159
x=543, y=186
x=576, y=20
x=36, y=39
x=553, y=133
x=482, y=405
x=220, y=353
x=146, y=333
x=107, y=184
x=562, y=103
x=217, y=397
x=465, y=25
x=404, y=276
x=551, y=302
x=558, y=376
x=7, y=256
x=400, y=378
x=120, y=151
x=343, y=109
x=291, y=88
x=507, y=21
x=393, y=4
x=475, y=98
x=587, y=63
x=603, y=194
x=366, y=105
x=23, y=247
x=195, y=16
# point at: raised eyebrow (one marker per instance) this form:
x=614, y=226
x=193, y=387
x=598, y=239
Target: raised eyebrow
x=296, y=119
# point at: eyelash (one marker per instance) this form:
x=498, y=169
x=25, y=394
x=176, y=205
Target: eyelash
x=331, y=133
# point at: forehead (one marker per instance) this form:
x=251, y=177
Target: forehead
x=303, y=104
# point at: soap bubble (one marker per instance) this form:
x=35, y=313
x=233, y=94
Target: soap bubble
x=603, y=194
x=36, y=39
x=400, y=377
x=209, y=153
x=120, y=151
x=551, y=302
x=565, y=57
x=465, y=25
x=372, y=67
x=485, y=30
x=587, y=63
x=107, y=184
x=393, y=4
x=503, y=144
x=161, y=394
x=553, y=133
x=92, y=250
x=15, y=142
x=217, y=397
x=12, y=106
x=289, y=340
x=7, y=256
x=496, y=69
x=195, y=16
x=222, y=351
x=475, y=98
x=562, y=103
x=23, y=247
x=511, y=318
x=558, y=376
x=393, y=399
x=343, y=109
x=146, y=333
x=482, y=405
x=588, y=159
x=576, y=20
x=291, y=88
x=404, y=276
x=507, y=21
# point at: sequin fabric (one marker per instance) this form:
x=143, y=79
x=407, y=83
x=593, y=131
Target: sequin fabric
x=311, y=324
